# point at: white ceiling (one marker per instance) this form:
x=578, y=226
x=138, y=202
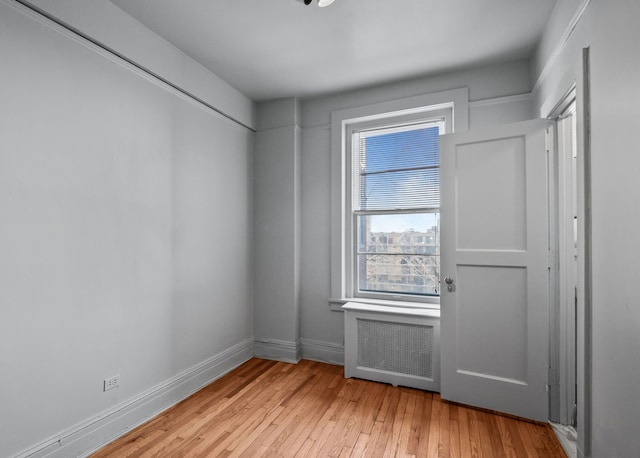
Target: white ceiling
x=281, y=48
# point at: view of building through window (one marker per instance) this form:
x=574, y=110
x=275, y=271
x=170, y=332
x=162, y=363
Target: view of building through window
x=395, y=260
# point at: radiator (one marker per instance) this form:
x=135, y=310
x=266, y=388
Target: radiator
x=395, y=345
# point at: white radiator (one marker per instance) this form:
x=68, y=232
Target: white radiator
x=395, y=345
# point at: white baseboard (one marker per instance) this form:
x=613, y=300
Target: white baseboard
x=279, y=350
x=93, y=433
x=293, y=352
x=325, y=352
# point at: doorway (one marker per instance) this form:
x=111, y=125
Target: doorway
x=564, y=293
x=570, y=109
x=565, y=410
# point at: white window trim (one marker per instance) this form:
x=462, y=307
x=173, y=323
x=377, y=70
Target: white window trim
x=342, y=122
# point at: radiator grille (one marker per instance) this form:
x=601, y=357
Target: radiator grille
x=396, y=347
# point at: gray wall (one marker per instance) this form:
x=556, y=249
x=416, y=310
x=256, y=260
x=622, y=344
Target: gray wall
x=293, y=208
x=610, y=30
x=496, y=97
x=108, y=24
x=277, y=230
x=113, y=190
x=125, y=240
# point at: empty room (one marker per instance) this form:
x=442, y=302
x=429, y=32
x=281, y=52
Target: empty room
x=319, y=228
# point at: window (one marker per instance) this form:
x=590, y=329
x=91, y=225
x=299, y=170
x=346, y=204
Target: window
x=395, y=209
x=385, y=226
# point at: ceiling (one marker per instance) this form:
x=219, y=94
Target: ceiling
x=271, y=49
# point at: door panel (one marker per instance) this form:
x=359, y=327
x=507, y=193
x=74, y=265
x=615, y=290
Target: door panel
x=494, y=246
x=501, y=195
x=479, y=310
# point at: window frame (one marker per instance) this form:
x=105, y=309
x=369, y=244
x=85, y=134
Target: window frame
x=441, y=115
x=450, y=105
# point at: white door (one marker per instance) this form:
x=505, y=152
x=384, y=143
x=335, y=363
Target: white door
x=494, y=249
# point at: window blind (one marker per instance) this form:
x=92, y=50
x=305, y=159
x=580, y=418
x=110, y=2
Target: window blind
x=397, y=168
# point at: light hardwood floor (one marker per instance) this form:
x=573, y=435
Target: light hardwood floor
x=268, y=408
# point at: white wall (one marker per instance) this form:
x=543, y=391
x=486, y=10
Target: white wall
x=125, y=242
x=112, y=190
x=610, y=30
x=277, y=231
x=493, y=93
x=106, y=23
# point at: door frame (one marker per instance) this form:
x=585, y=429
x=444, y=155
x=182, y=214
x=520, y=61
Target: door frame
x=562, y=325
x=578, y=75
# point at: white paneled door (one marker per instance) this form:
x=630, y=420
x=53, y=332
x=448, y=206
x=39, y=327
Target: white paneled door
x=494, y=269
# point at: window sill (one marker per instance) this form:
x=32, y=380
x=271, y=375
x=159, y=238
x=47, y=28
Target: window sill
x=391, y=310
x=336, y=304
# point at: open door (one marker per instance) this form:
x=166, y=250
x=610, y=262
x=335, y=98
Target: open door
x=494, y=266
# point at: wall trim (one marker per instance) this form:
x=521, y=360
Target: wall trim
x=500, y=100
x=585, y=433
x=93, y=433
x=549, y=64
x=279, y=350
x=326, y=352
x=38, y=14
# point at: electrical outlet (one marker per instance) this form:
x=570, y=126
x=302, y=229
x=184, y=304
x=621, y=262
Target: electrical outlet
x=111, y=382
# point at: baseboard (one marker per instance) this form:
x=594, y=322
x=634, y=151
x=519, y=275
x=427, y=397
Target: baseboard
x=567, y=437
x=92, y=434
x=279, y=350
x=325, y=352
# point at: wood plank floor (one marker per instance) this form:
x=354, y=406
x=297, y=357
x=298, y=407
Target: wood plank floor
x=269, y=408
